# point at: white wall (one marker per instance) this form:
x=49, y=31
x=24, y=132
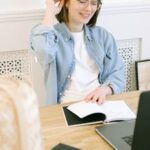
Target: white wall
x=127, y=21
x=19, y=5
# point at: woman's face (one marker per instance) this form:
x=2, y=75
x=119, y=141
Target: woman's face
x=81, y=11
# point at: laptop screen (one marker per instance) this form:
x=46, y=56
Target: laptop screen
x=142, y=127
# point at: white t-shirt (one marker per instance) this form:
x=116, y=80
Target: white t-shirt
x=85, y=76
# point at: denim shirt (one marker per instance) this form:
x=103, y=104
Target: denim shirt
x=54, y=49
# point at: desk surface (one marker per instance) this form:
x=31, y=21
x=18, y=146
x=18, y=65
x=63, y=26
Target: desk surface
x=55, y=131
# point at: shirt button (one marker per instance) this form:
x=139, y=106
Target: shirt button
x=69, y=76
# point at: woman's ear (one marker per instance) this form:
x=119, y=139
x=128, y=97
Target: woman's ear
x=67, y=4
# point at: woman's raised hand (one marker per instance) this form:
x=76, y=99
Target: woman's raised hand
x=53, y=7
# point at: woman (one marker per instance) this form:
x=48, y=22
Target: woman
x=79, y=59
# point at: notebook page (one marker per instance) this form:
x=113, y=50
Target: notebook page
x=83, y=108
x=117, y=110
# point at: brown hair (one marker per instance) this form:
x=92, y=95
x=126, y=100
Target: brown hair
x=63, y=15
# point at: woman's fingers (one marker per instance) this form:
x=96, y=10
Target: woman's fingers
x=96, y=96
x=89, y=97
x=59, y=3
x=100, y=101
x=54, y=5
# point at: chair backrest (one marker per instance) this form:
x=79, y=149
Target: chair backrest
x=129, y=50
x=19, y=116
x=143, y=74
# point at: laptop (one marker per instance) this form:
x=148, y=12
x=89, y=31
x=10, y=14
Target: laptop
x=133, y=134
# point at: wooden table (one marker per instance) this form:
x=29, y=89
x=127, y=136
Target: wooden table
x=55, y=131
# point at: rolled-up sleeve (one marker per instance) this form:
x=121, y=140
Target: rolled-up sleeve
x=43, y=43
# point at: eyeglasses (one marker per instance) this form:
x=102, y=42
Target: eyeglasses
x=93, y=3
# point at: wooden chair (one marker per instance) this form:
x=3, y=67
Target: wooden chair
x=19, y=116
x=143, y=74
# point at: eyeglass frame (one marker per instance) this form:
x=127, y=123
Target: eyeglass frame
x=87, y=2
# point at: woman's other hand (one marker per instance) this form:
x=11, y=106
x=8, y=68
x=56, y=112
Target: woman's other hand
x=99, y=94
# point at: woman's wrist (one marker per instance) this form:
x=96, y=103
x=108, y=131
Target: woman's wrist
x=108, y=88
x=48, y=19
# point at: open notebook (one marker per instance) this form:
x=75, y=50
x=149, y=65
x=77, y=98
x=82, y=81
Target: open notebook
x=82, y=113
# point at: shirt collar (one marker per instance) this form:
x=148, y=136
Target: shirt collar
x=62, y=27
